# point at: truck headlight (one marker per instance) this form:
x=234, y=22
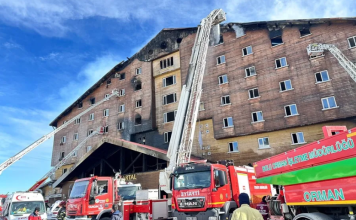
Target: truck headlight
x=213, y=218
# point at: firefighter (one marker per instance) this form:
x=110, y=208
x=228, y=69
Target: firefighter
x=245, y=212
x=263, y=208
x=35, y=215
x=62, y=211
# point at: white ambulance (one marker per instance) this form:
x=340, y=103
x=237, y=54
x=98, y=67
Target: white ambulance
x=20, y=205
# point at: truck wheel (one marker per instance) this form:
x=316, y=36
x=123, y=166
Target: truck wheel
x=312, y=216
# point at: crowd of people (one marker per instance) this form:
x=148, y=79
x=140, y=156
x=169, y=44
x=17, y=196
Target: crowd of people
x=244, y=212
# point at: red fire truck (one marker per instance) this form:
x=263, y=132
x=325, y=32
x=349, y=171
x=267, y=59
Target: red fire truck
x=315, y=181
x=210, y=191
x=93, y=197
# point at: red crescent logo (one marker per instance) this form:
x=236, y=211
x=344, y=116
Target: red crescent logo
x=17, y=197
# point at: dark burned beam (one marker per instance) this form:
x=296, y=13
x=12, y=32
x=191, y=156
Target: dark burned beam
x=132, y=163
x=114, y=152
x=107, y=163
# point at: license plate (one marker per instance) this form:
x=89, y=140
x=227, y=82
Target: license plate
x=191, y=218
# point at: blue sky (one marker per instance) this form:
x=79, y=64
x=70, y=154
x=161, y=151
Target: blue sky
x=52, y=51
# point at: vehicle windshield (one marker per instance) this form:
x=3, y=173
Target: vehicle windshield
x=79, y=189
x=128, y=192
x=192, y=180
x=22, y=208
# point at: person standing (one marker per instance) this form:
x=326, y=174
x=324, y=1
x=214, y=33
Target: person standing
x=62, y=211
x=116, y=214
x=35, y=215
x=263, y=208
x=245, y=212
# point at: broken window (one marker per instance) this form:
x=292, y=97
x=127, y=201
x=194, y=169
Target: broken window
x=201, y=106
x=221, y=40
x=253, y=93
x=304, y=31
x=228, y=122
x=250, y=71
x=298, y=138
x=61, y=155
x=77, y=121
x=121, y=125
x=329, y=102
x=291, y=110
x=285, y=85
x=122, y=108
x=106, y=129
x=75, y=136
x=257, y=116
x=80, y=105
x=89, y=132
x=106, y=95
x=225, y=100
x=167, y=136
x=276, y=37
x=92, y=101
x=88, y=148
x=281, y=62
x=122, y=76
x=121, y=92
x=220, y=59
x=263, y=143
x=223, y=79
x=138, y=103
x=138, y=120
x=171, y=98
x=63, y=140
x=169, y=81
x=352, y=41
x=91, y=117
x=166, y=63
x=247, y=51
x=106, y=112
x=108, y=82
x=322, y=76
x=233, y=147
x=169, y=116
x=138, y=71
x=138, y=86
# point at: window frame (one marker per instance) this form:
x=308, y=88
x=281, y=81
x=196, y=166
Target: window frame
x=75, y=153
x=264, y=146
x=249, y=69
x=64, y=139
x=275, y=63
x=336, y=106
x=89, y=132
x=80, y=105
x=165, y=116
x=119, y=110
x=296, y=133
x=88, y=148
x=200, y=105
x=224, y=97
x=121, y=125
x=139, y=103
x=164, y=98
x=249, y=94
x=231, y=144
x=321, y=76
x=285, y=110
x=165, y=81
x=243, y=54
x=280, y=87
x=107, y=95
x=300, y=32
x=121, y=92
x=138, y=71
x=222, y=77
x=77, y=121
x=256, y=112
x=166, y=137
x=106, y=112
x=91, y=117
x=219, y=58
x=354, y=38
x=76, y=136
x=227, y=120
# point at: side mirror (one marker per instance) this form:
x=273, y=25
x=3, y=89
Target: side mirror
x=48, y=209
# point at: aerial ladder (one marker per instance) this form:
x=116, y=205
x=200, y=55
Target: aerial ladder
x=39, y=183
x=180, y=146
x=28, y=149
x=318, y=49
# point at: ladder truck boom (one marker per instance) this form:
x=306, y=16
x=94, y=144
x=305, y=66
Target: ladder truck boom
x=64, y=160
x=28, y=149
x=317, y=49
x=181, y=142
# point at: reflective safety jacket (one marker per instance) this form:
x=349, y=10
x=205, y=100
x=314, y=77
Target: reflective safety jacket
x=245, y=212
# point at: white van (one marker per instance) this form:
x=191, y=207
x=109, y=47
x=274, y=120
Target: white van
x=20, y=205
